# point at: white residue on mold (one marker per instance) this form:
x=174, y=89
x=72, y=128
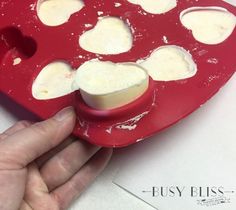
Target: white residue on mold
x=16, y=61
x=202, y=52
x=142, y=12
x=109, y=130
x=85, y=125
x=88, y=25
x=100, y=13
x=213, y=77
x=33, y=6
x=86, y=130
x=165, y=39
x=81, y=122
x=117, y=4
x=213, y=61
x=127, y=127
x=139, y=140
x=154, y=99
x=130, y=124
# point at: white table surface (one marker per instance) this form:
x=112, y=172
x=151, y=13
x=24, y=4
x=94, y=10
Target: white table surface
x=198, y=152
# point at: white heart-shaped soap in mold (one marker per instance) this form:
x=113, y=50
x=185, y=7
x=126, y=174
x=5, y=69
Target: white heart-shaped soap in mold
x=57, y=12
x=106, y=85
x=111, y=35
x=155, y=6
x=55, y=80
x=209, y=25
x=169, y=63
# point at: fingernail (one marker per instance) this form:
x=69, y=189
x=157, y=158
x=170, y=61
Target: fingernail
x=64, y=114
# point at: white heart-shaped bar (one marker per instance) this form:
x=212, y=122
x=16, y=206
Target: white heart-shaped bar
x=55, y=80
x=209, y=25
x=169, y=63
x=57, y=12
x=111, y=35
x=106, y=85
x=155, y=6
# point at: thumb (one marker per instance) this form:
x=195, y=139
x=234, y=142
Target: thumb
x=24, y=146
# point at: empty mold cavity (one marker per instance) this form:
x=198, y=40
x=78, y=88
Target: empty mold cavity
x=15, y=46
x=57, y=12
x=169, y=63
x=155, y=6
x=111, y=35
x=54, y=80
x=209, y=25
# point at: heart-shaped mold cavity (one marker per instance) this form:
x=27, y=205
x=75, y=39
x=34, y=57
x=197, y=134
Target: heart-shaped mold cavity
x=107, y=85
x=15, y=47
x=111, y=35
x=57, y=12
x=136, y=108
x=55, y=80
x=169, y=63
x=209, y=25
x=157, y=6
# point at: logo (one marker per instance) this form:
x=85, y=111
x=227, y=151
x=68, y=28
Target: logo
x=204, y=196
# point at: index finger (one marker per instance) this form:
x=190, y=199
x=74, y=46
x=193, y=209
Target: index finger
x=21, y=148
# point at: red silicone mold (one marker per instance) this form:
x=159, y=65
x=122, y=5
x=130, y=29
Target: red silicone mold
x=23, y=35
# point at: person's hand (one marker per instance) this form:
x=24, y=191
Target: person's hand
x=38, y=171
